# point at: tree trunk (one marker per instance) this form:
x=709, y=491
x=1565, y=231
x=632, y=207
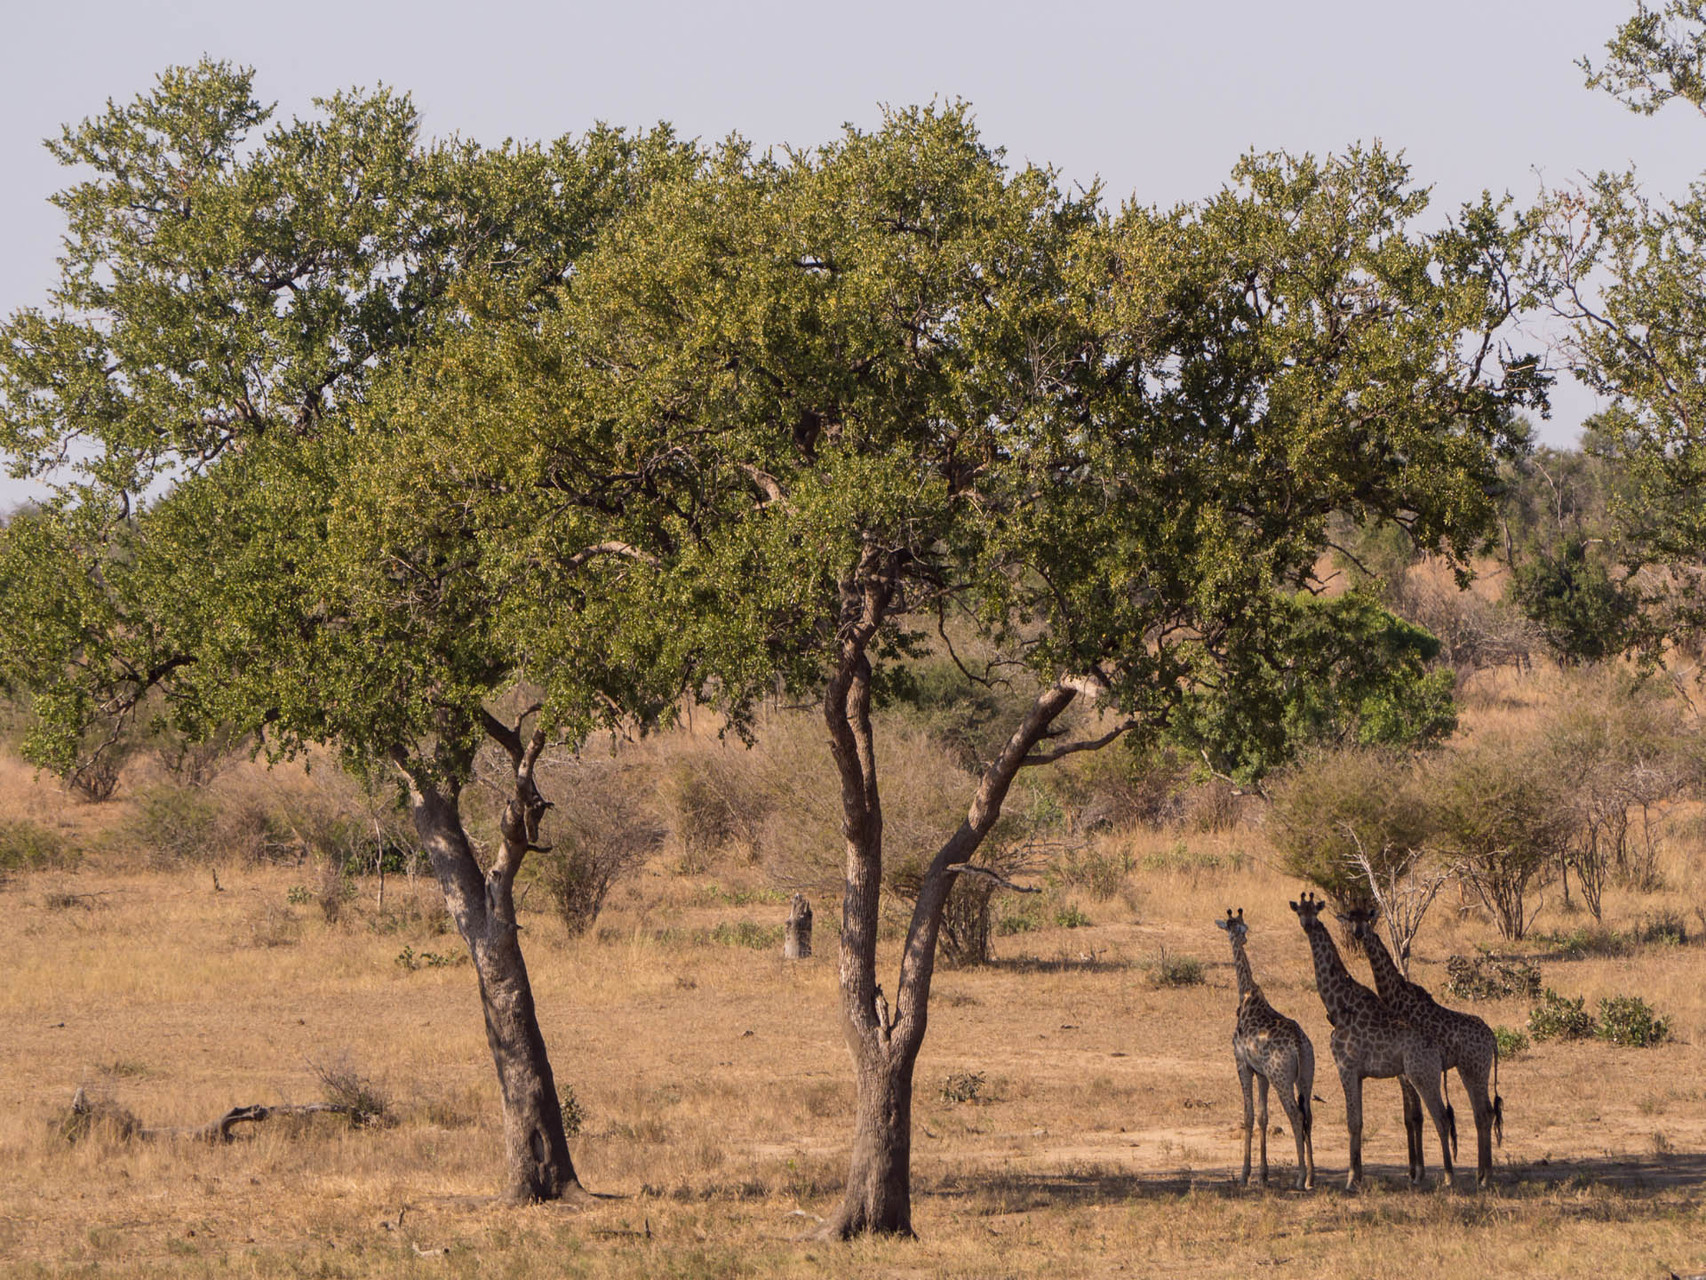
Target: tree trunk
x=884, y=1046
x=537, y=1160
x=797, y=939
x=879, y=1177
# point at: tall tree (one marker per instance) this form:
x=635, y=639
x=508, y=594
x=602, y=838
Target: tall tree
x=1626, y=269
x=194, y=390
x=842, y=396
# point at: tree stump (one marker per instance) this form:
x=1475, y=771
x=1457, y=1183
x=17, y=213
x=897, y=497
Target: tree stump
x=797, y=940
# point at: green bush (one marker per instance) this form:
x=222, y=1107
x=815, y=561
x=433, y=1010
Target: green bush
x=29, y=846
x=1176, y=971
x=1630, y=1020
x=1556, y=1018
x=1510, y=1041
x=1501, y=819
x=1490, y=978
x=1588, y=940
x=1068, y=916
x=1099, y=874
x=1663, y=928
x=1337, y=803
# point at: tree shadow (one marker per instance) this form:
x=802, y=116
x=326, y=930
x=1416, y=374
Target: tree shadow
x=1008, y=1191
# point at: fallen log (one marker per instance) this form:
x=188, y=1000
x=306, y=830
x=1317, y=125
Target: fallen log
x=85, y=1114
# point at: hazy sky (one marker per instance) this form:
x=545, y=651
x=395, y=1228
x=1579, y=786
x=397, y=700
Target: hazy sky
x=1157, y=98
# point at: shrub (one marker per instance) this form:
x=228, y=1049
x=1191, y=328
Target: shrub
x=1510, y=1041
x=1176, y=971
x=344, y=1086
x=1068, y=916
x=29, y=846
x=1579, y=944
x=1500, y=820
x=1338, y=803
x=1663, y=928
x=1630, y=1020
x=963, y=1086
x=1490, y=978
x=1620, y=748
x=1556, y=1018
x=574, y=1115
x=1098, y=873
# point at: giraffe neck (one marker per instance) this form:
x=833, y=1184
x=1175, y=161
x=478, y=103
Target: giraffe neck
x=1332, y=979
x=1241, y=966
x=1389, y=981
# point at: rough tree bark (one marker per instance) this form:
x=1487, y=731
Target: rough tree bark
x=797, y=939
x=482, y=904
x=885, y=1043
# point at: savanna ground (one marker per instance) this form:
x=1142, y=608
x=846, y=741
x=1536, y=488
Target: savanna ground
x=1076, y=1115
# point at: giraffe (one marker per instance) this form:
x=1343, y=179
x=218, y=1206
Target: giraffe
x=1465, y=1042
x=1370, y=1040
x=1269, y=1046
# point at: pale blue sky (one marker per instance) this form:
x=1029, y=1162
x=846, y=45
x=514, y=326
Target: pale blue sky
x=1158, y=98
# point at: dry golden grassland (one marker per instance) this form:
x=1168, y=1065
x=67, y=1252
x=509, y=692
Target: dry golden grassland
x=1102, y=1137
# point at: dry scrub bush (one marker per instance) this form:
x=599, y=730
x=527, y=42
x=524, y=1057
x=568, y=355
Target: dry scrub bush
x=1337, y=804
x=1620, y=750
x=1475, y=633
x=253, y=814
x=1501, y=820
x=603, y=825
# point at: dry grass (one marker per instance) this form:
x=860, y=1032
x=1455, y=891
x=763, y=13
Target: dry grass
x=716, y=1090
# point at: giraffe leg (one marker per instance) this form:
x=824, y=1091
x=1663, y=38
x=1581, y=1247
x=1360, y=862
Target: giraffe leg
x=1413, y=1129
x=1427, y=1085
x=1262, y=1121
x=1286, y=1088
x=1244, y=1082
x=1481, y=1104
x=1353, y=1123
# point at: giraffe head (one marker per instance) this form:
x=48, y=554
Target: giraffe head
x=1308, y=909
x=1234, y=925
x=1360, y=921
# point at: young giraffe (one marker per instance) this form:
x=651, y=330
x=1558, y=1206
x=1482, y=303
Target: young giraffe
x=1465, y=1042
x=1370, y=1040
x=1269, y=1046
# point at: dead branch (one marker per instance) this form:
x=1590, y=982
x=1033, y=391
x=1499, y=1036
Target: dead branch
x=1401, y=892
x=220, y=1130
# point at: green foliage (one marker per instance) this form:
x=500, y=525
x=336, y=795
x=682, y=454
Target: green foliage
x=1500, y=818
x=1510, y=1041
x=1585, y=942
x=1336, y=805
x=574, y=1114
x=1068, y=916
x=1656, y=56
x=1557, y=1018
x=1491, y=978
x=1176, y=971
x=1583, y=612
x=29, y=846
x=1344, y=671
x=1629, y=1020
x=410, y=960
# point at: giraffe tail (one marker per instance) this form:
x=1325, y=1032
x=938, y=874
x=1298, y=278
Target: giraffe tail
x=1498, y=1102
x=1450, y=1112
